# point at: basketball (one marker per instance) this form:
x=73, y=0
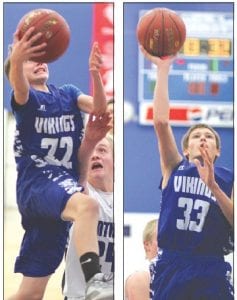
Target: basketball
x=56, y=32
x=161, y=32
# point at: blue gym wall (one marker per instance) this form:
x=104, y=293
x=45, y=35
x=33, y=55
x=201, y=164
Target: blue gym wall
x=141, y=161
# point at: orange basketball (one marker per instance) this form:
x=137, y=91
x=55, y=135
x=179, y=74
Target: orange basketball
x=56, y=32
x=161, y=32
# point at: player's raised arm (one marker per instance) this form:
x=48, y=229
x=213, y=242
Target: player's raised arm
x=22, y=51
x=169, y=155
x=97, y=103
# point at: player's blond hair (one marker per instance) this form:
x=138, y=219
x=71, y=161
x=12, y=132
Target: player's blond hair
x=149, y=230
x=110, y=138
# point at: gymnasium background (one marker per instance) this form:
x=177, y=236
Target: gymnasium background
x=201, y=90
x=88, y=22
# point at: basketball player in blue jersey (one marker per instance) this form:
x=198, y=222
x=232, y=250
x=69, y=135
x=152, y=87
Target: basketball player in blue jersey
x=49, y=129
x=196, y=217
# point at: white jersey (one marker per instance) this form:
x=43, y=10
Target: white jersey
x=75, y=284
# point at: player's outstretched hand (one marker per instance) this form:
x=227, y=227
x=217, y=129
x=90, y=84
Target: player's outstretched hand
x=95, y=59
x=24, y=49
x=97, y=127
x=205, y=169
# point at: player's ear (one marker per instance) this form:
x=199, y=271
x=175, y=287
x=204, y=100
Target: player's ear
x=185, y=152
x=145, y=245
x=218, y=152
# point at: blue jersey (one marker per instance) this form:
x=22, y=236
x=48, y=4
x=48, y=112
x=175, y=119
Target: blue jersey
x=190, y=218
x=49, y=129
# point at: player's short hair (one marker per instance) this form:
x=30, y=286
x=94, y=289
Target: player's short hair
x=186, y=136
x=7, y=67
x=149, y=230
x=110, y=139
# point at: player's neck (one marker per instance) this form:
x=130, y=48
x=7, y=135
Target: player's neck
x=40, y=87
x=104, y=186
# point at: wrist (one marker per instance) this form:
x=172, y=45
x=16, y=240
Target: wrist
x=214, y=187
x=94, y=72
x=16, y=61
x=89, y=142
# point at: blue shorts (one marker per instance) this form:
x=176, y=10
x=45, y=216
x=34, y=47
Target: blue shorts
x=179, y=277
x=42, y=194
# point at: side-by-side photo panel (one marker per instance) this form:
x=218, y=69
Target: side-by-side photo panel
x=178, y=151
x=58, y=151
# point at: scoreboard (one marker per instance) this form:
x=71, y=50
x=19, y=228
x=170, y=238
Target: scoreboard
x=201, y=77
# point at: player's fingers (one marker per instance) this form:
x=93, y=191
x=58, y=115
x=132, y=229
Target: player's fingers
x=197, y=163
x=34, y=38
x=170, y=57
x=98, y=49
x=37, y=54
x=28, y=33
x=93, y=49
x=38, y=47
x=207, y=157
x=98, y=57
x=95, y=44
x=16, y=36
x=204, y=153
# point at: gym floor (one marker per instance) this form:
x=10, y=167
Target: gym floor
x=13, y=233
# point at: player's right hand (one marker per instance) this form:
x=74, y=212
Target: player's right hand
x=25, y=49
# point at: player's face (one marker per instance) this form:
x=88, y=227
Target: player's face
x=101, y=162
x=151, y=247
x=201, y=137
x=36, y=73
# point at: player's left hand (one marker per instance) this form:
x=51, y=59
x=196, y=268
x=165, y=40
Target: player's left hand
x=206, y=170
x=97, y=127
x=95, y=59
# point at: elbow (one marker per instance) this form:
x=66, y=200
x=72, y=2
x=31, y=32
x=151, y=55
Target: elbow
x=160, y=124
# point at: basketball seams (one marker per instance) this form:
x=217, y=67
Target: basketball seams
x=161, y=32
x=177, y=28
x=58, y=51
x=147, y=35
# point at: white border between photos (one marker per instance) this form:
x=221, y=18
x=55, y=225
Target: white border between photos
x=118, y=190
x=1, y=151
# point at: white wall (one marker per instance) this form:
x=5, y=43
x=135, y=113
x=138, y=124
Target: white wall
x=9, y=161
x=134, y=255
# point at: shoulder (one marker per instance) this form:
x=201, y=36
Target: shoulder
x=137, y=285
x=138, y=276
x=71, y=89
x=32, y=98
